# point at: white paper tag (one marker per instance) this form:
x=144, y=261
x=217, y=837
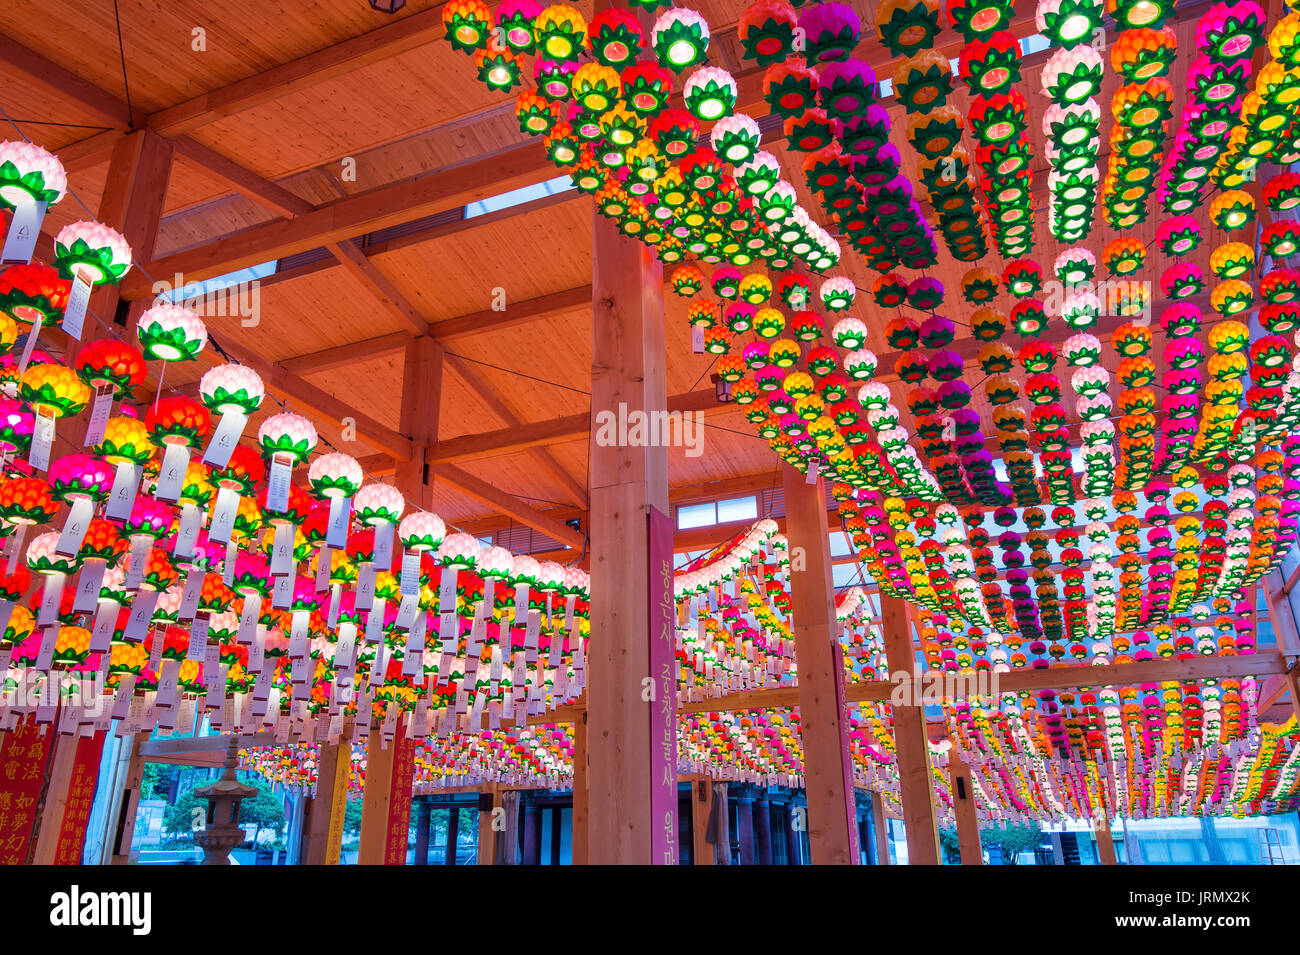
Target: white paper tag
x=38, y=455
x=365, y=586
x=222, y=519
x=336, y=534
x=99, y=415
x=171, y=473
x=324, y=563
x=74, y=528
x=24, y=230
x=51, y=598
x=375, y=622
x=697, y=339
x=187, y=531
x=121, y=499
x=90, y=581
x=190, y=594
x=282, y=549
x=410, y=578
x=277, y=484
x=407, y=610
x=101, y=637
x=383, y=545
x=198, y=648
x=224, y=438
x=282, y=593
x=74, y=315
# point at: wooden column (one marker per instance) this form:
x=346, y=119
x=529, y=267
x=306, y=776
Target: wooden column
x=828, y=770
x=386, y=800
x=701, y=805
x=423, y=823
x=1105, y=844
x=421, y=397
x=323, y=836
x=745, y=827
x=911, y=736
x=122, y=829
x=580, y=846
x=880, y=826
x=964, y=808
x=631, y=687
x=487, y=833
x=763, y=831
x=132, y=203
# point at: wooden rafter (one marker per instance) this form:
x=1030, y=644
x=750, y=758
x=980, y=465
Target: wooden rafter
x=507, y=504
x=247, y=183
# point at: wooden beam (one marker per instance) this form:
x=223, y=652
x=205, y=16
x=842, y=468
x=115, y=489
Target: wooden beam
x=342, y=219
x=575, y=491
x=580, y=847
x=523, y=512
x=343, y=356
x=916, y=788
x=378, y=285
x=65, y=83
x=322, y=843
x=880, y=828
x=519, y=313
x=703, y=852
x=828, y=769
x=631, y=742
x=303, y=393
x=264, y=192
x=555, y=431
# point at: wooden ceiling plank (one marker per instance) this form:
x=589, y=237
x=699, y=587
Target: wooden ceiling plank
x=378, y=284
x=103, y=104
x=342, y=356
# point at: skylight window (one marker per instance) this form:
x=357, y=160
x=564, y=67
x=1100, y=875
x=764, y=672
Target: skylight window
x=196, y=290
x=519, y=196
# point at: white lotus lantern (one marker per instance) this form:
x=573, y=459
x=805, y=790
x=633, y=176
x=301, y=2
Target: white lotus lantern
x=234, y=392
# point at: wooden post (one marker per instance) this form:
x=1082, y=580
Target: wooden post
x=880, y=825
x=121, y=831
x=423, y=824
x=963, y=801
x=132, y=203
x=323, y=837
x=386, y=800
x=745, y=826
x=911, y=736
x=828, y=770
x=701, y=806
x=631, y=687
x=421, y=399
x=1105, y=844
x=487, y=832
x=578, y=841
x=763, y=830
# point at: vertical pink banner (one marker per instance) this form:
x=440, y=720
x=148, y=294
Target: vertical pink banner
x=663, y=718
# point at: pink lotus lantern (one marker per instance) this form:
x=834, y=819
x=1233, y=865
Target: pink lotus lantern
x=44, y=558
x=419, y=532
x=234, y=392
x=80, y=481
x=380, y=506
x=89, y=254
x=31, y=180
x=336, y=477
x=286, y=439
x=169, y=332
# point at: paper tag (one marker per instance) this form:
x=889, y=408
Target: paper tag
x=74, y=528
x=447, y=590
x=277, y=484
x=101, y=637
x=51, y=598
x=198, y=648
x=697, y=339
x=171, y=474
x=324, y=563
x=24, y=230
x=375, y=622
x=410, y=579
x=38, y=455
x=89, y=583
x=345, y=649
x=222, y=520
x=187, y=531
x=282, y=593
x=224, y=438
x=336, y=534
x=383, y=544
x=190, y=595
x=121, y=499
x=138, y=561
x=298, y=633
x=45, y=656
x=365, y=586
x=74, y=315
x=282, y=549
x=99, y=415
x=521, y=604
x=407, y=610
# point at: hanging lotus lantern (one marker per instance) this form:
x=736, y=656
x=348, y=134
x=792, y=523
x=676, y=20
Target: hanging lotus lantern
x=43, y=558
x=561, y=33
x=178, y=425
x=767, y=31
x=25, y=502
x=710, y=93
x=380, y=506
x=29, y=174
x=735, y=138
x=615, y=37
x=113, y=369
x=514, y=25
x=1072, y=76
x=831, y=31
x=89, y=254
x=497, y=68
x=469, y=24
x=80, y=481
x=285, y=439
x=171, y=333
x=33, y=294
x=680, y=38
x=234, y=392
x=907, y=26
x=51, y=391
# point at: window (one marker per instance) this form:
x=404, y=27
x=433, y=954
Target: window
x=519, y=196
x=738, y=509
x=840, y=544
x=696, y=515
x=1034, y=43
x=845, y=575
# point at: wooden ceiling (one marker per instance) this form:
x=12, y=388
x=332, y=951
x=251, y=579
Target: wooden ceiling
x=266, y=119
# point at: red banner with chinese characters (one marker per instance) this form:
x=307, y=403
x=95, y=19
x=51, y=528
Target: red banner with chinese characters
x=81, y=796
x=24, y=754
x=399, y=799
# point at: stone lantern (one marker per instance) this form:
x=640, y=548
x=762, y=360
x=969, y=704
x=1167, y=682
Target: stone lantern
x=224, y=799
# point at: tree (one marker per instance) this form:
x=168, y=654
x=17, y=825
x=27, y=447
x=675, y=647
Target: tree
x=265, y=810
x=1013, y=839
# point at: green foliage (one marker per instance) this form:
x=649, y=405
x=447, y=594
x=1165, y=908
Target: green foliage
x=265, y=810
x=1013, y=840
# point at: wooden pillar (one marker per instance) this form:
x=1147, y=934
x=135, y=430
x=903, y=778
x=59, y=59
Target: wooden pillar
x=880, y=826
x=632, y=742
x=1105, y=844
x=122, y=828
x=828, y=770
x=453, y=835
x=421, y=397
x=745, y=827
x=763, y=831
x=487, y=831
x=531, y=823
x=964, y=808
x=323, y=834
x=701, y=806
x=386, y=800
x=792, y=840
x=578, y=841
x=423, y=824
x=913, y=744
x=132, y=203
